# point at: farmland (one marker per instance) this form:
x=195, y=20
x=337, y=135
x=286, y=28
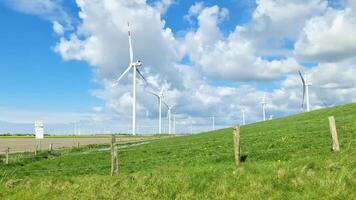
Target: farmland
x=287, y=158
x=28, y=144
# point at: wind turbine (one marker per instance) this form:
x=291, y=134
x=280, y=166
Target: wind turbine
x=134, y=66
x=243, y=117
x=264, y=103
x=213, y=121
x=169, y=116
x=159, y=96
x=306, y=86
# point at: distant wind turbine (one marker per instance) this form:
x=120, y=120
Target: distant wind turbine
x=243, y=117
x=135, y=69
x=169, y=112
x=264, y=103
x=306, y=86
x=159, y=96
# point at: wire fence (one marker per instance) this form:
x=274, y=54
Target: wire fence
x=282, y=143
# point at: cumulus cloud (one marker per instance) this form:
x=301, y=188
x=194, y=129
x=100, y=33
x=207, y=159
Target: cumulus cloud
x=103, y=37
x=234, y=57
x=248, y=55
x=194, y=10
x=328, y=38
x=163, y=5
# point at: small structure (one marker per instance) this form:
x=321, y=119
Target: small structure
x=39, y=132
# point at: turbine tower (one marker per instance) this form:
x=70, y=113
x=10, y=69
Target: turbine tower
x=169, y=112
x=135, y=69
x=306, y=86
x=159, y=96
x=264, y=103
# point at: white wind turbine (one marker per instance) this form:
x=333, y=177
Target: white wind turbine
x=169, y=112
x=134, y=66
x=264, y=103
x=159, y=96
x=306, y=86
x=243, y=117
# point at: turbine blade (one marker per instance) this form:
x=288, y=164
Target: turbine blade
x=130, y=43
x=301, y=76
x=165, y=104
x=153, y=93
x=139, y=73
x=123, y=74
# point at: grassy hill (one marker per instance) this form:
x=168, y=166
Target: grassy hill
x=286, y=158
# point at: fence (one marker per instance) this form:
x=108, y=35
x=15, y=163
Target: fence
x=201, y=150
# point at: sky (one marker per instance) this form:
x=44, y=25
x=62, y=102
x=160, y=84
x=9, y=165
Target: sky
x=213, y=58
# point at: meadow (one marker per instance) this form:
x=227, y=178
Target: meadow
x=286, y=158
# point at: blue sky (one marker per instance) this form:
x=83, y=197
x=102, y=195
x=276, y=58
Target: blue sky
x=46, y=81
x=32, y=75
x=220, y=61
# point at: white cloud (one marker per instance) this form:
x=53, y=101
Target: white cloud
x=328, y=38
x=163, y=5
x=275, y=23
x=58, y=28
x=50, y=10
x=194, y=10
x=240, y=55
x=104, y=43
x=232, y=58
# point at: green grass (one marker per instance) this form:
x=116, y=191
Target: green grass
x=286, y=158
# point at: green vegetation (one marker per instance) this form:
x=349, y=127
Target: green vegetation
x=286, y=158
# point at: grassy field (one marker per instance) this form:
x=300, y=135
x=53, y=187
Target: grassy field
x=286, y=158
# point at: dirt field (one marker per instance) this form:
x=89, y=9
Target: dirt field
x=28, y=144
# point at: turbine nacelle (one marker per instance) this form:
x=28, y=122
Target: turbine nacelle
x=138, y=63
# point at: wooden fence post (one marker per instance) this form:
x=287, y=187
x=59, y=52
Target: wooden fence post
x=7, y=155
x=114, y=157
x=50, y=147
x=333, y=133
x=78, y=144
x=237, y=144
